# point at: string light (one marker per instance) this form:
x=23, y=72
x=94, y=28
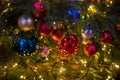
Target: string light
x=40, y=77
x=92, y=8
x=84, y=62
x=8, y=4
x=22, y=77
x=46, y=58
x=5, y=67
x=104, y=47
x=62, y=69
x=108, y=77
x=15, y=65
x=117, y=66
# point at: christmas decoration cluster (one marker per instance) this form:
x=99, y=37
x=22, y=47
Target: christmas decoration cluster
x=59, y=40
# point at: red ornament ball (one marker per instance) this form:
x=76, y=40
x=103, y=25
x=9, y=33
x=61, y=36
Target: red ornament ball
x=69, y=45
x=39, y=9
x=106, y=37
x=44, y=30
x=57, y=34
x=90, y=49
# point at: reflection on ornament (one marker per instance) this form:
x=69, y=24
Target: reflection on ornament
x=57, y=34
x=25, y=23
x=90, y=49
x=85, y=41
x=88, y=33
x=106, y=37
x=44, y=51
x=44, y=29
x=75, y=13
x=69, y=45
x=39, y=9
x=25, y=46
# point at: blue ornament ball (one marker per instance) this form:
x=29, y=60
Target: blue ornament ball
x=74, y=13
x=25, y=46
x=88, y=32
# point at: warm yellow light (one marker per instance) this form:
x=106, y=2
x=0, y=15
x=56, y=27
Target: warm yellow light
x=92, y=8
x=108, y=5
x=111, y=2
x=84, y=62
x=109, y=77
x=117, y=66
x=46, y=59
x=54, y=22
x=5, y=67
x=22, y=77
x=62, y=69
x=40, y=76
x=15, y=65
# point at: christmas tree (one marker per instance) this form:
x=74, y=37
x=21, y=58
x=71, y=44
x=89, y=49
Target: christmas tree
x=59, y=40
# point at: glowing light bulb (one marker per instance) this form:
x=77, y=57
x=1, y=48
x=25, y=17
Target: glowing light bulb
x=15, y=65
x=92, y=8
x=117, y=66
x=22, y=77
x=62, y=69
x=40, y=76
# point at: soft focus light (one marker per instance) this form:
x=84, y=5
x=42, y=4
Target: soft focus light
x=40, y=76
x=84, y=62
x=108, y=5
x=22, y=77
x=54, y=22
x=5, y=67
x=62, y=69
x=15, y=64
x=111, y=2
x=104, y=47
x=8, y=4
x=92, y=8
x=46, y=59
x=109, y=77
x=117, y=66
x=42, y=79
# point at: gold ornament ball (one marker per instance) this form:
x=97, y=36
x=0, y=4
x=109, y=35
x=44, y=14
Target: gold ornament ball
x=25, y=23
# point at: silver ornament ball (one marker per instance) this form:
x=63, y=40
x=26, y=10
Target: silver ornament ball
x=25, y=23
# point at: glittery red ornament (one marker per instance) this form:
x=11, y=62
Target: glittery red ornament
x=90, y=49
x=39, y=9
x=106, y=37
x=57, y=34
x=68, y=45
x=45, y=30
